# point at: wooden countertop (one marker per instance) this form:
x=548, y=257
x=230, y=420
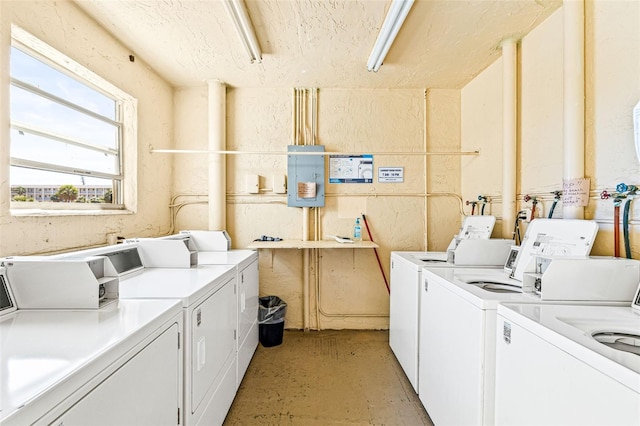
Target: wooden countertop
x=321, y=244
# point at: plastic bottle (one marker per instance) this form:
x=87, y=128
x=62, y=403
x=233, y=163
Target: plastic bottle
x=357, y=230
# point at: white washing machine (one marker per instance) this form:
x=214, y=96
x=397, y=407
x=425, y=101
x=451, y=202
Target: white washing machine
x=457, y=344
x=558, y=364
x=119, y=364
x=404, y=305
x=404, y=298
x=458, y=322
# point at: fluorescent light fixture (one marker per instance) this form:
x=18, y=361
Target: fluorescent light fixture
x=395, y=18
x=240, y=17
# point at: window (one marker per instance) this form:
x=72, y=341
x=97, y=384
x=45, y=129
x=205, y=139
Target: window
x=68, y=130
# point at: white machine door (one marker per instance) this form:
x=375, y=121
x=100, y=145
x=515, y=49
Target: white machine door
x=403, y=316
x=451, y=356
x=247, y=299
x=539, y=383
x=144, y=391
x=213, y=328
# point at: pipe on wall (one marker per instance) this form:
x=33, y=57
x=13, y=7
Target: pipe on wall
x=425, y=128
x=302, y=135
x=305, y=269
x=509, y=117
x=217, y=165
x=573, y=134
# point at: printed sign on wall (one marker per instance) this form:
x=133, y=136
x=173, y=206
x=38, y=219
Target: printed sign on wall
x=351, y=168
x=391, y=174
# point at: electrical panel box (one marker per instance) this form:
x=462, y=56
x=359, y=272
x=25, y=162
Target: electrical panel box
x=306, y=176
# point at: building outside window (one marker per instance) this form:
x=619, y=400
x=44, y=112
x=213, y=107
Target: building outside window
x=67, y=130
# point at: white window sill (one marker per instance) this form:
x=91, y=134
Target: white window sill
x=25, y=212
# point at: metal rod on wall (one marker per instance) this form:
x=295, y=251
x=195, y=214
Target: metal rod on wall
x=323, y=153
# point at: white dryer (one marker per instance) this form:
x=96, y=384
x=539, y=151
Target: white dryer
x=118, y=364
x=560, y=364
x=208, y=298
x=245, y=263
x=202, y=248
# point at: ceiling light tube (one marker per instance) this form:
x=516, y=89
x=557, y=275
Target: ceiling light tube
x=240, y=17
x=395, y=18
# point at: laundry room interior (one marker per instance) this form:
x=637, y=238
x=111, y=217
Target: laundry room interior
x=485, y=107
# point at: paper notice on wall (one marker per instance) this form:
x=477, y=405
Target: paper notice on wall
x=306, y=189
x=575, y=192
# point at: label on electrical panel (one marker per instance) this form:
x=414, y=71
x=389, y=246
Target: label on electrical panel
x=390, y=174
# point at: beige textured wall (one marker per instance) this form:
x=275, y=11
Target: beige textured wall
x=371, y=120
x=481, y=129
x=62, y=25
x=540, y=109
x=190, y=170
x=349, y=281
x=444, y=207
x=612, y=43
x=612, y=89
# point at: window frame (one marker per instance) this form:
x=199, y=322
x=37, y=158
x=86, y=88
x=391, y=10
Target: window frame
x=123, y=183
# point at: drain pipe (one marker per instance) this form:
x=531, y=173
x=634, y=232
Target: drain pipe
x=217, y=164
x=573, y=136
x=509, y=136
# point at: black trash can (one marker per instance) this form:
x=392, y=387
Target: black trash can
x=271, y=314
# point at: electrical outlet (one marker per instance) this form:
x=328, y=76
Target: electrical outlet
x=280, y=184
x=253, y=184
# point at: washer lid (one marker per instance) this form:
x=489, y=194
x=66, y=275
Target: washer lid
x=554, y=237
x=477, y=227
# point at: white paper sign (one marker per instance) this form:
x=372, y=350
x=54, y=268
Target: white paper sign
x=575, y=192
x=391, y=174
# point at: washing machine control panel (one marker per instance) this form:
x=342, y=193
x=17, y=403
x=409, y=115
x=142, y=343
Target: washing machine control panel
x=635, y=304
x=7, y=303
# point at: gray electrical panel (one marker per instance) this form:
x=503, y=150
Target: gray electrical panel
x=305, y=177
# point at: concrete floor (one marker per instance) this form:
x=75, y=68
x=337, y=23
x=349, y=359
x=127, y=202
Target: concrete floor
x=327, y=378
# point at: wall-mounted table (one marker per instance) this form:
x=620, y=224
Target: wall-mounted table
x=307, y=246
x=320, y=244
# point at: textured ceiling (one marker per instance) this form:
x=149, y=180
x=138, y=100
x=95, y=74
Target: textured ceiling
x=318, y=43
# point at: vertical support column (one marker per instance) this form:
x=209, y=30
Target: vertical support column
x=574, y=92
x=217, y=162
x=509, y=135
